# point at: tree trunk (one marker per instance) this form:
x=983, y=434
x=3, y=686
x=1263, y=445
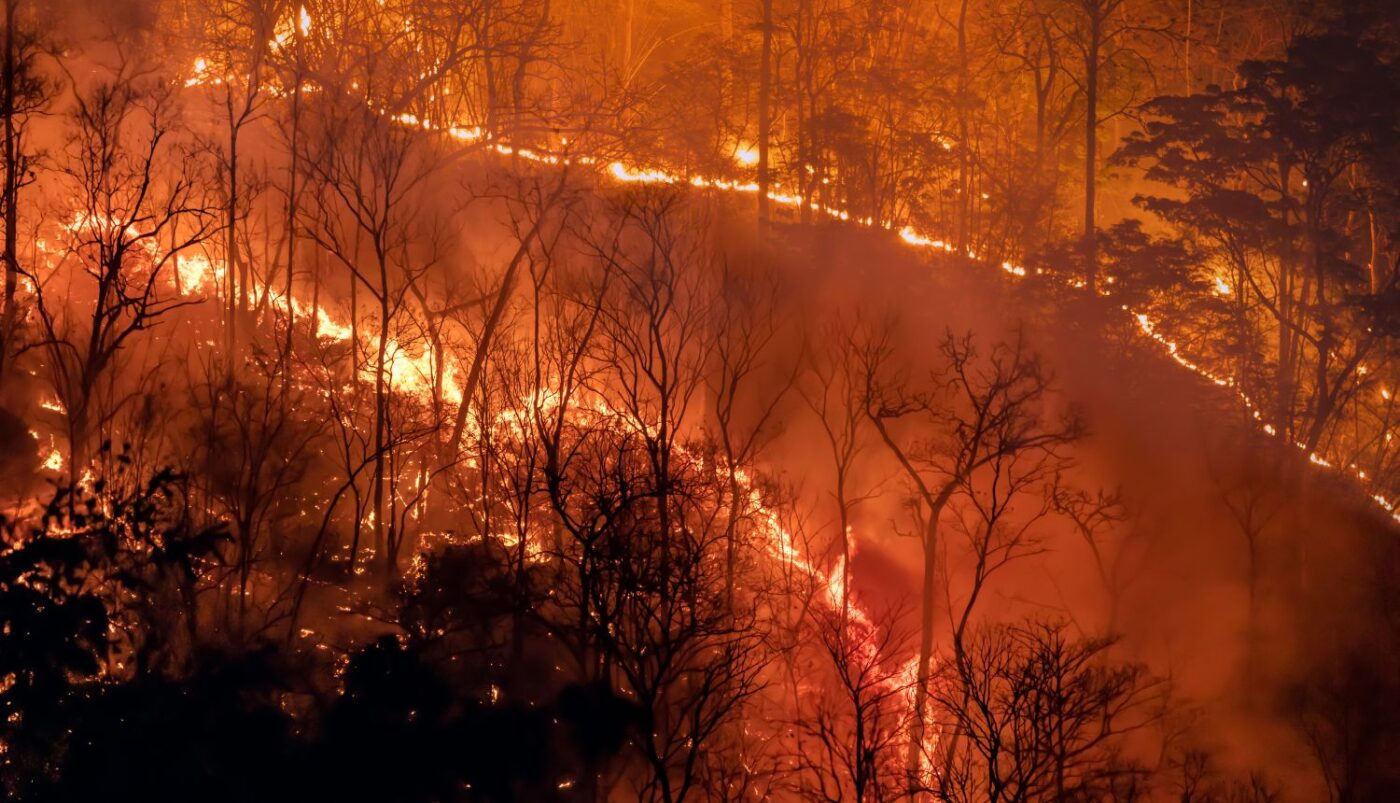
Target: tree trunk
x=237, y=301
x=765, y=91
x=493, y=321
x=1288, y=332
x=381, y=416
x=964, y=156
x=1091, y=147
x=292, y=219
x=10, y=193
x=924, y=671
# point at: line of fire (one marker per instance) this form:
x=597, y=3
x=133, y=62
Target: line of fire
x=599, y=401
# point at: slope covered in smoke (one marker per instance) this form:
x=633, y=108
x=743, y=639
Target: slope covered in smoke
x=512, y=400
x=1255, y=580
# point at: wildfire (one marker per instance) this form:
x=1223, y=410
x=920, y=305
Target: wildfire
x=201, y=71
x=196, y=273
x=551, y=453
x=53, y=456
x=623, y=173
x=745, y=154
x=412, y=371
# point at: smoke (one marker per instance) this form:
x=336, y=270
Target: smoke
x=1239, y=573
x=1248, y=579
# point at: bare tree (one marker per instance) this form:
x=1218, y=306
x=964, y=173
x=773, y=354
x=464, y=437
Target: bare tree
x=24, y=92
x=744, y=391
x=981, y=412
x=133, y=190
x=257, y=452
x=859, y=731
x=836, y=395
x=1044, y=715
x=370, y=178
x=1098, y=519
x=1106, y=35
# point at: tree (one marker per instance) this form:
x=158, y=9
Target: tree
x=131, y=189
x=99, y=585
x=253, y=459
x=1277, y=176
x=1044, y=714
x=24, y=93
x=1105, y=35
x=856, y=733
x=835, y=395
x=991, y=412
x=371, y=178
x=744, y=390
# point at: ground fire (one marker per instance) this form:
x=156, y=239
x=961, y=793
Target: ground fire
x=662, y=400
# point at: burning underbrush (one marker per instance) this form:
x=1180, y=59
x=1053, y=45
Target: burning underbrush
x=400, y=406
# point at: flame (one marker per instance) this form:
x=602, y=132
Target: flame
x=412, y=370
x=746, y=154
x=196, y=273
x=53, y=457
x=327, y=328
x=201, y=70
x=622, y=172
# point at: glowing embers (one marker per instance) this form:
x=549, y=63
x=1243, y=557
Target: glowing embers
x=51, y=456
x=623, y=173
x=201, y=75
x=410, y=374
x=412, y=121
x=292, y=26
x=914, y=238
x=462, y=134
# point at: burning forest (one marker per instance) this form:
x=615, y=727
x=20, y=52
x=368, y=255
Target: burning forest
x=679, y=400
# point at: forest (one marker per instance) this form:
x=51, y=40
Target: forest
x=846, y=401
